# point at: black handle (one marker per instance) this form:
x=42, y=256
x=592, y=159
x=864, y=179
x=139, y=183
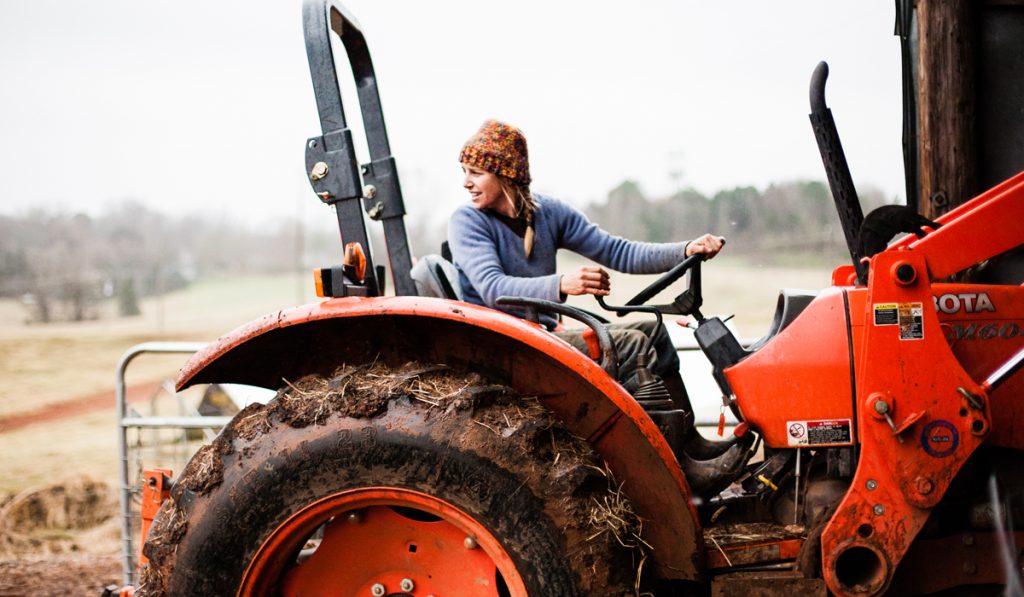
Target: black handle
x=609, y=356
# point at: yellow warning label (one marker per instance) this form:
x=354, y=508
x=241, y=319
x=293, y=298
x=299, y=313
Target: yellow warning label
x=887, y=313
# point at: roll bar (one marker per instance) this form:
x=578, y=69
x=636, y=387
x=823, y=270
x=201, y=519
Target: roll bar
x=331, y=165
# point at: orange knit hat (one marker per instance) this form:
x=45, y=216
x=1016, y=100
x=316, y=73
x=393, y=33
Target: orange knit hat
x=500, y=149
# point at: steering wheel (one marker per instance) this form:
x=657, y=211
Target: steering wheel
x=686, y=303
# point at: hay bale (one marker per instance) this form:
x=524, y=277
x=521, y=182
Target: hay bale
x=77, y=514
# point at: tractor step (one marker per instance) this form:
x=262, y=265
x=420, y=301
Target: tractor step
x=735, y=546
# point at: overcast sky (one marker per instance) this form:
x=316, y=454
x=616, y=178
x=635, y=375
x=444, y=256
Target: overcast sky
x=205, y=106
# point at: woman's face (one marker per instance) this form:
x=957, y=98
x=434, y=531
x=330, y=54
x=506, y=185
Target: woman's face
x=485, y=190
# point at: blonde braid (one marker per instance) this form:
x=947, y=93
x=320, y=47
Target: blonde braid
x=523, y=206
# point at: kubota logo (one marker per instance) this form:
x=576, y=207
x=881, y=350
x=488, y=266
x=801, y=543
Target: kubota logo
x=969, y=302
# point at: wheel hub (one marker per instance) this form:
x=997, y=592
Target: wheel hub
x=382, y=542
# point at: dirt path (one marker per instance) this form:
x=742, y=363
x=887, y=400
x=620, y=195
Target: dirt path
x=75, y=407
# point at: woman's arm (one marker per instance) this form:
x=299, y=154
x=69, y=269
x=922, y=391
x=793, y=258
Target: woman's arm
x=582, y=236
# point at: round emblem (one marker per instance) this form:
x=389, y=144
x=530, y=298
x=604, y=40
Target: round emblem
x=939, y=438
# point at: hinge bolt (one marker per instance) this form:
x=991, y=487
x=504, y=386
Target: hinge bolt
x=319, y=171
x=369, y=191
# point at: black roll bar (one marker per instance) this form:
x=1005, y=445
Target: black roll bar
x=335, y=174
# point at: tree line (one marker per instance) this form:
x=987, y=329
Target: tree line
x=786, y=222
x=65, y=266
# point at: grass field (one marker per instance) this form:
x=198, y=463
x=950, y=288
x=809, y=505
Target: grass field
x=51, y=364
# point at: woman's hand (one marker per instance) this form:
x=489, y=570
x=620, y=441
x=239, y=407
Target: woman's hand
x=708, y=245
x=588, y=280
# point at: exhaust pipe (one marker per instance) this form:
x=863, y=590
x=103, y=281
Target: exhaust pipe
x=836, y=169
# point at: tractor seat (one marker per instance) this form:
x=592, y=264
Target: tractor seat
x=436, y=276
x=791, y=304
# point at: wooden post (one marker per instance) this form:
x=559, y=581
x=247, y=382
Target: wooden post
x=947, y=146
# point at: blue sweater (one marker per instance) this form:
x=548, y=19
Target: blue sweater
x=491, y=260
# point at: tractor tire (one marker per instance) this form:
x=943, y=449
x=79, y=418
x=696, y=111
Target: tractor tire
x=405, y=481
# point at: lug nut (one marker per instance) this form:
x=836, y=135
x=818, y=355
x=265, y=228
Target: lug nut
x=879, y=509
x=406, y=585
x=469, y=543
x=924, y=485
x=378, y=590
x=872, y=484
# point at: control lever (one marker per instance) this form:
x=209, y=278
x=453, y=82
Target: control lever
x=883, y=409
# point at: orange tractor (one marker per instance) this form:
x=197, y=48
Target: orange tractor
x=424, y=446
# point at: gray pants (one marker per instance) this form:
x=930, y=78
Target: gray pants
x=629, y=339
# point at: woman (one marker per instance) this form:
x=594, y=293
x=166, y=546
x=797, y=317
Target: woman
x=504, y=243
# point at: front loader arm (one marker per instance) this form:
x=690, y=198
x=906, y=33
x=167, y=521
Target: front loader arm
x=919, y=414
x=986, y=226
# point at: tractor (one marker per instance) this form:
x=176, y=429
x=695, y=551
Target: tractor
x=419, y=445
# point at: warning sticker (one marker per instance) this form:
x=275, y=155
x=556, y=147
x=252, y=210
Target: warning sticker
x=886, y=313
x=819, y=433
x=911, y=321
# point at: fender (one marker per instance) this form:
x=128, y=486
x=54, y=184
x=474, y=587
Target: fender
x=315, y=339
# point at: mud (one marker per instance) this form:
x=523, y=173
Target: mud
x=519, y=433
x=362, y=391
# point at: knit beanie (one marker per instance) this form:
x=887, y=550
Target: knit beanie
x=500, y=149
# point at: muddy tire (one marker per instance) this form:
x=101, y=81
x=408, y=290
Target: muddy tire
x=416, y=452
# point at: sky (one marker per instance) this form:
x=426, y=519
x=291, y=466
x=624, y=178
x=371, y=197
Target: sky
x=204, y=107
